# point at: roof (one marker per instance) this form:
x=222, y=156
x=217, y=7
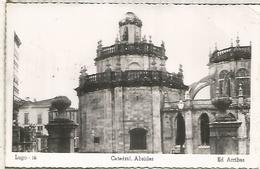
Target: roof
x=42, y=104
x=46, y=103
x=130, y=18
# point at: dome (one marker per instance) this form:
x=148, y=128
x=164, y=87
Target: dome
x=130, y=15
x=130, y=18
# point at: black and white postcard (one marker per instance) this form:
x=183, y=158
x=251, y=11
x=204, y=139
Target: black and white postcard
x=99, y=85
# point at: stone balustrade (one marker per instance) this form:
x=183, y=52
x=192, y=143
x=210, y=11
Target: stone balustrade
x=232, y=53
x=141, y=48
x=130, y=78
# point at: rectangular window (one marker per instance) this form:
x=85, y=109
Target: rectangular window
x=96, y=140
x=51, y=116
x=39, y=119
x=26, y=118
x=40, y=128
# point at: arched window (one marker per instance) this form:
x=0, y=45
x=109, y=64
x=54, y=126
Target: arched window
x=221, y=80
x=243, y=78
x=180, y=136
x=204, y=129
x=138, y=139
x=125, y=34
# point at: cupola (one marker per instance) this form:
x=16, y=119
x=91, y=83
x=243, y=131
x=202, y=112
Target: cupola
x=130, y=28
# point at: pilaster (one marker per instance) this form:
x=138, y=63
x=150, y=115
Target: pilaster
x=188, y=128
x=156, y=100
x=109, y=119
x=119, y=123
x=242, y=134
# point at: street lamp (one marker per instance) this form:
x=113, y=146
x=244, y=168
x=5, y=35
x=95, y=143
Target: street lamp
x=180, y=105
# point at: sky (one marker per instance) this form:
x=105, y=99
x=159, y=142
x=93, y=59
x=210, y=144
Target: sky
x=58, y=39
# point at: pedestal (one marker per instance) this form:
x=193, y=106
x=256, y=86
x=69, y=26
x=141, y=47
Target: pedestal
x=223, y=137
x=61, y=135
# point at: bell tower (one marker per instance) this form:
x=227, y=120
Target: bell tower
x=130, y=28
x=120, y=106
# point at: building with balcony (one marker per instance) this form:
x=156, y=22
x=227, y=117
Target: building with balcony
x=120, y=106
x=133, y=105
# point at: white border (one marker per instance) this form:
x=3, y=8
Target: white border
x=160, y=160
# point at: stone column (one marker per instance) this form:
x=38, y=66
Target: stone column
x=188, y=130
x=157, y=139
x=188, y=124
x=61, y=129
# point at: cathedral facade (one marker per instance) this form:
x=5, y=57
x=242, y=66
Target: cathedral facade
x=133, y=105
x=218, y=120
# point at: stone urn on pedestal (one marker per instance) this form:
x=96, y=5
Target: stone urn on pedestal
x=61, y=129
x=223, y=131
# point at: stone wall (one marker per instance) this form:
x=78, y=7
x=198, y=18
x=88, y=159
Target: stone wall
x=93, y=111
x=128, y=62
x=111, y=113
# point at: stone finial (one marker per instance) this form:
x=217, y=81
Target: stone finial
x=144, y=39
x=237, y=41
x=231, y=43
x=83, y=71
x=250, y=43
x=99, y=44
x=150, y=39
x=180, y=73
x=180, y=68
x=162, y=44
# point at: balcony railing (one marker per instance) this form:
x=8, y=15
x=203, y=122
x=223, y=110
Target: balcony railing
x=135, y=48
x=129, y=78
x=232, y=53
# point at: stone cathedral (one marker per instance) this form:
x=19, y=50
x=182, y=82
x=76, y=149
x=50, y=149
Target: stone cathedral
x=133, y=105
